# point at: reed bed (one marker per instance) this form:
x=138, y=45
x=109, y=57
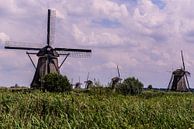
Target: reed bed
x=95, y=109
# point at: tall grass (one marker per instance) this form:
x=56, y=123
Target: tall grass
x=101, y=110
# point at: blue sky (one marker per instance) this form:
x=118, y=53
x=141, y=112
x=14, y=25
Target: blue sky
x=160, y=3
x=143, y=37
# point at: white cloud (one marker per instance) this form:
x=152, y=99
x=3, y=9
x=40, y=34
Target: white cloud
x=145, y=42
x=101, y=39
x=148, y=14
x=3, y=37
x=110, y=9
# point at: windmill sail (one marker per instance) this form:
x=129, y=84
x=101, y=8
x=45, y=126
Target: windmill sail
x=22, y=45
x=80, y=53
x=119, y=75
x=182, y=60
x=51, y=26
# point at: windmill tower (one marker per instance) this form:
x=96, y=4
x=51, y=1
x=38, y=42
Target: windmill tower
x=179, y=78
x=48, y=56
x=116, y=80
x=88, y=82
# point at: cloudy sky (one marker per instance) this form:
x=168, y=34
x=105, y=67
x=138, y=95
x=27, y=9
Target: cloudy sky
x=143, y=37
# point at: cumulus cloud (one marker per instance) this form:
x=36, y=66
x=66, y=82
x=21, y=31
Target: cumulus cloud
x=142, y=37
x=110, y=9
x=98, y=39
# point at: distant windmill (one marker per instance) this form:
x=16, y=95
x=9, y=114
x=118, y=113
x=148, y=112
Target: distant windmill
x=179, y=80
x=116, y=80
x=48, y=56
x=88, y=82
x=78, y=84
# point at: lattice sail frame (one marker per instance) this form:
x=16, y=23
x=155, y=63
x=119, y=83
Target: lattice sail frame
x=52, y=26
x=75, y=54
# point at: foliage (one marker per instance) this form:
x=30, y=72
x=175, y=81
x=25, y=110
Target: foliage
x=37, y=109
x=131, y=85
x=150, y=87
x=54, y=82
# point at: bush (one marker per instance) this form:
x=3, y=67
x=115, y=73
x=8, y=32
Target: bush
x=150, y=87
x=131, y=86
x=54, y=82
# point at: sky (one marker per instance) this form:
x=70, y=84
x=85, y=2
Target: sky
x=143, y=37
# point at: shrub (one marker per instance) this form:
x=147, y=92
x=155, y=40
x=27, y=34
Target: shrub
x=131, y=86
x=54, y=82
x=150, y=87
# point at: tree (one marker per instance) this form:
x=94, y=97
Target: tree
x=150, y=87
x=54, y=82
x=131, y=85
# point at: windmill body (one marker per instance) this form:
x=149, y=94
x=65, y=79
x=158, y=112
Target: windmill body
x=48, y=56
x=47, y=63
x=78, y=85
x=179, y=79
x=116, y=80
x=88, y=83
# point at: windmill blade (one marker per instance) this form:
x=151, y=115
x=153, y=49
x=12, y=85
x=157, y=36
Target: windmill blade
x=187, y=82
x=51, y=26
x=187, y=73
x=73, y=50
x=88, y=76
x=48, y=27
x=81, y=53
x=119, y=75
x=170, y=83
x=182, y=60
x=20, y=46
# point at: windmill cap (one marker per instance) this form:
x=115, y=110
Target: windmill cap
x=47, y=50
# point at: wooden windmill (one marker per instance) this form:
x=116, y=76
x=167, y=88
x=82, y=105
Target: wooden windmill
x=116, y=80
x=88, y=82
x=48, y=56
x=179, y=79
x=78, y=84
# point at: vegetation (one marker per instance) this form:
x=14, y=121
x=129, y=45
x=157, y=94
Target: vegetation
x=131, y=86
x=150, y=87
x=96, y=108
x=54, y=82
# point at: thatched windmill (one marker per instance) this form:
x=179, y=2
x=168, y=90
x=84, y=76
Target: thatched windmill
x=78, y=84
x=179, y=79
x=48, y=56
x=88, y=82
x=116, y=80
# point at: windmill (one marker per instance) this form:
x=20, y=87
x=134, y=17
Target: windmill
x=88, y=82
x=179, y=78
x=48, y=56
x=117, y=79
x=78, y=84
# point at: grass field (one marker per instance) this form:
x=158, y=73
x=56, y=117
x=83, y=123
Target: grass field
x=95, y=109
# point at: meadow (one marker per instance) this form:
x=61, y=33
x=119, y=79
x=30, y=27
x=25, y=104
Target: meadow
x=98, y=108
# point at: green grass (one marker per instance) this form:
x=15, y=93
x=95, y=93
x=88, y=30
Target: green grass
x=95, y=109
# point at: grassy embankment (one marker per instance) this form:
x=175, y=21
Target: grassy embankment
x=96, y=109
